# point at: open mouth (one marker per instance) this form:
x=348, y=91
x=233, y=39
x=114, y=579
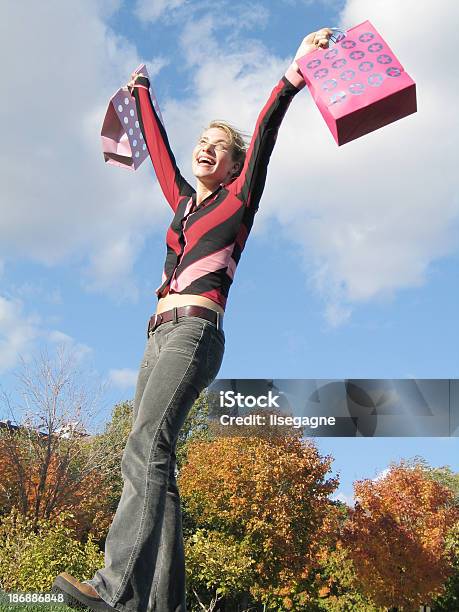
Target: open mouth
x=206, y=161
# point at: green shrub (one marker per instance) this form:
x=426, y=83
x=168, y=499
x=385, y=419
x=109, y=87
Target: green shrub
x=218, y=566
x=31, y=555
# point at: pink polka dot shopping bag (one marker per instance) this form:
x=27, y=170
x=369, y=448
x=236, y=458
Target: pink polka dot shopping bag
x=122, y=139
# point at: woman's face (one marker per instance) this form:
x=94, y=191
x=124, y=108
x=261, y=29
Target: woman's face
x=212, y=160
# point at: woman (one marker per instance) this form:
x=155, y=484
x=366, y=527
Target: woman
x=144, y=559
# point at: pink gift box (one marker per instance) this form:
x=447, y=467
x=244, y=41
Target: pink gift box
x=358, y=85
x=122, y=139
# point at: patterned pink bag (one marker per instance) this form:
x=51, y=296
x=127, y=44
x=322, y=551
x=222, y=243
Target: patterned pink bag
x=122, y=140
x=358, y=84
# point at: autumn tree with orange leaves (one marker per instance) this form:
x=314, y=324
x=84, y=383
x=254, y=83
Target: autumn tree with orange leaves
x=396, y=537
x=270, y=499
x=47, y=465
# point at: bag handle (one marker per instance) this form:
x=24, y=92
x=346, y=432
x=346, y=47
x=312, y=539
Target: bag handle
x=337, y=35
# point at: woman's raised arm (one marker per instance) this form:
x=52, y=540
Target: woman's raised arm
x=171, y=181
x=250, y=183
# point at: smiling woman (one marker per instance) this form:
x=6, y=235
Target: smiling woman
x=144, y=557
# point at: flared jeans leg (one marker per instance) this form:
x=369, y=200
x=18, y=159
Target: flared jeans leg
x=168, y=583
x=144, y=560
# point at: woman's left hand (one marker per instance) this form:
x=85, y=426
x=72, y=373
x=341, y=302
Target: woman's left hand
x=313, y=41
x=132, y=82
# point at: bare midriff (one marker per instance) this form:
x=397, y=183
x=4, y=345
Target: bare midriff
x=172, y=300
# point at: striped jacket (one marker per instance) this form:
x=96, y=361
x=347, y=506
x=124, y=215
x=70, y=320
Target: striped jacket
x=204, y=246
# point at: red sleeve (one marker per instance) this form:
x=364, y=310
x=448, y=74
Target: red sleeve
x=172, y=182
x=249, y=185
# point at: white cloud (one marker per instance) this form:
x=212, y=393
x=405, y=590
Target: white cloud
x=20, y=332
x=335, y=313
x=60, y=203
x=233, y=16
x=152, y=10
x=112, y=261
x=78, y=350
x=123, y=378
x=17, y=332
x=37, y=292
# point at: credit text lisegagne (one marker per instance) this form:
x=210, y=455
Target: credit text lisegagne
x=259, y=420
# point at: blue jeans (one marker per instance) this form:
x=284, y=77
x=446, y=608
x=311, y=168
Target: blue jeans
x=144, y=557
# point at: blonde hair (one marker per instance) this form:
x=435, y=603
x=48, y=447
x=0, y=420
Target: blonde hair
x=237, y=141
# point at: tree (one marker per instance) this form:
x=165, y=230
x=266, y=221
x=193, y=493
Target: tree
x=449, y=600
x=269, y=495
x=47, y=462
x=396, y=537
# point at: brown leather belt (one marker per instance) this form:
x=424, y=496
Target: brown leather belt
x=184, y=311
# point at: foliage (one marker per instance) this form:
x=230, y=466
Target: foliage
x=271, y=496
x=43, y=483
x=396, y=537
x=338, y=590
x=33, y=552
x=444, y=475
x=449, y=600
x=48, y=463
x=217, y=563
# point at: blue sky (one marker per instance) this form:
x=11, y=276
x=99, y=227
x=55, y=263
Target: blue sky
x=351, y=268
